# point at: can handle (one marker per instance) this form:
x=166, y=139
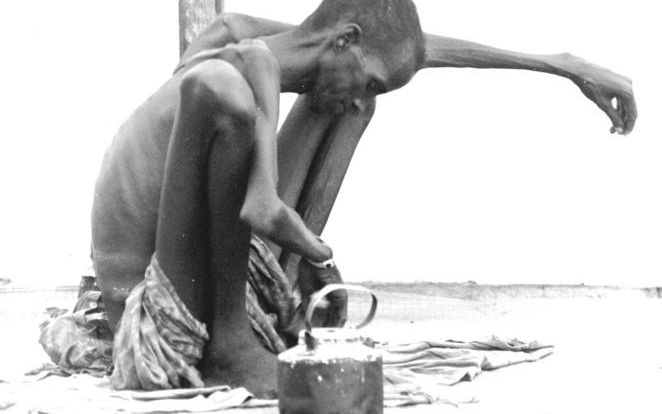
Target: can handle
x=319, y=295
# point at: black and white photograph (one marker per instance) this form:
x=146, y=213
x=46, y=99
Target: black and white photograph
x=330, y=207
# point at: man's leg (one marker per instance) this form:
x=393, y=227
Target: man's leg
x=314, y=152
x=201, y=244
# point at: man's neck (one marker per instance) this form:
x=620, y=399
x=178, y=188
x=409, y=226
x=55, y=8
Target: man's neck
x=298, y=54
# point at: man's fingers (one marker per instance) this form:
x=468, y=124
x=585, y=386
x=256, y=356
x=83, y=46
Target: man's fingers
x=610, y=107
x=627, y=106
x=623, y=114
x=628, y=112
x=619, y=106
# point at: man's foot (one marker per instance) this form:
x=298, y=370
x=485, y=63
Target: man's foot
x=240, y=363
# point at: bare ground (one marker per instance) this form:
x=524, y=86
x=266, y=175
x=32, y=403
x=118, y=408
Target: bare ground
x=608, y=353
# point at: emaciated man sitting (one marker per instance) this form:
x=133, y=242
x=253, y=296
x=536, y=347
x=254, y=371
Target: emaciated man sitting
x=200, y=165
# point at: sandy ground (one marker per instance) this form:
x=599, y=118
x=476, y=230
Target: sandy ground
x=608, y=354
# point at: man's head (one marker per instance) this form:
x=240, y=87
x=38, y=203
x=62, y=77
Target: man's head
x=374, y=46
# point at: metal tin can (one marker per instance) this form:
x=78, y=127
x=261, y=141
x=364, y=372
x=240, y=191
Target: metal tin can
x=331, y=370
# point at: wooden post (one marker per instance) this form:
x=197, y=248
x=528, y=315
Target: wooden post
x=194, y=15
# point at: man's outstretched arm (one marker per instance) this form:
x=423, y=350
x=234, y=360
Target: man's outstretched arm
x=611, y=92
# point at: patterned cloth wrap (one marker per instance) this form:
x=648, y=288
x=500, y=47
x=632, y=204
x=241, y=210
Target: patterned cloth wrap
x=158, y=342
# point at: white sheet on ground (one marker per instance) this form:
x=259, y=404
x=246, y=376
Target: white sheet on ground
x=414, y=373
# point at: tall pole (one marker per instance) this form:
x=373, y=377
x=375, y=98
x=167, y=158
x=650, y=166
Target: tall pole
x=194, y=15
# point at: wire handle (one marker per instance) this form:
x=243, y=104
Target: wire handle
x=319, y=295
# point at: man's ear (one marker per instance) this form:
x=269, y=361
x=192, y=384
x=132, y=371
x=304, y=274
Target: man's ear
x=350, y=34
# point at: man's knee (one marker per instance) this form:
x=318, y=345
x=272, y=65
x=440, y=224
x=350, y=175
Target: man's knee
x=216, y=87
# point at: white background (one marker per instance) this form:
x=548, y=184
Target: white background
x=493, y=176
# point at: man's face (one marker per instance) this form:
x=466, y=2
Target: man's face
x=347, y=77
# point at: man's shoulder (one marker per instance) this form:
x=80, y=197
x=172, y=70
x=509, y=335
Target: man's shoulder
x=247, y=56
x=256, y=49
x=250, y=55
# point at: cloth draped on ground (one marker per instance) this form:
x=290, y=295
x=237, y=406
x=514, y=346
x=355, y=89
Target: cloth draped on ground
x=159, y=342
x=79, y=341
x=423, y=369
x=414, y=373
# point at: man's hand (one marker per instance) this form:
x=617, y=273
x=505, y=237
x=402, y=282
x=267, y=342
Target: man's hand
x=610, y=91
x=312, y=279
